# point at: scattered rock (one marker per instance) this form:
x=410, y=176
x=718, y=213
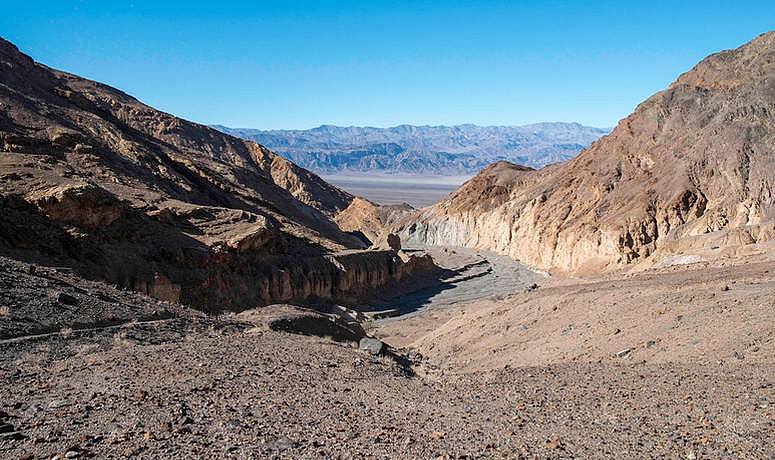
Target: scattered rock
x=436, y=434
x=553, y=443
x=66, y=299
x=370, y=344
x=12, y=436
x=623, y=353
x=58, y=403
x=283, y=444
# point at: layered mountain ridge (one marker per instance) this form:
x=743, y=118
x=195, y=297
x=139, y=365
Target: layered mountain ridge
x=436, y=150
x=93, y=179
x=691, y=169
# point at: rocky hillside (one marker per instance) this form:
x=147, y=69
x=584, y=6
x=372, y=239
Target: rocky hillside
x=450, y=150
x=692, y=170
x=93, y=179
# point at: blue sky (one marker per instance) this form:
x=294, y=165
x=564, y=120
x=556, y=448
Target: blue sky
x=299, y=64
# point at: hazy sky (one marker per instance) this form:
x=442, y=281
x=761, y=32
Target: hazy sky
x=299, y=64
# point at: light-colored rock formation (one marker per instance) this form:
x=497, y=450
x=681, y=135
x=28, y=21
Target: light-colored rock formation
x=693, y=168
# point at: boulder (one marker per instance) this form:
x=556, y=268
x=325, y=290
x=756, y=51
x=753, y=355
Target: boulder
x=389, y=241
x=370, y=344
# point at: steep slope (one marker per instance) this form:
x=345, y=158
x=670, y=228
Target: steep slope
x=693, y=168
x=94, y=179
x=451, y=150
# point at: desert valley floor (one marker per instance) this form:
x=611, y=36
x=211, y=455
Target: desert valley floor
x=287, y=382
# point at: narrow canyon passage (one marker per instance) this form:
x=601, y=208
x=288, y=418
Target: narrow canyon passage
x=473, y=274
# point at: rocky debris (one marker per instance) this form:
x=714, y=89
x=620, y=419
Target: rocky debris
x=66, y=299
x=371, y=345
x=58, y=404
x=36, y=303
x=686, y=172
x=218, y=386
x=623, y=353
x=389, y=313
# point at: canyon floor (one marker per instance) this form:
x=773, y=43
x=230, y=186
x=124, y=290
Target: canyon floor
x=534, y=372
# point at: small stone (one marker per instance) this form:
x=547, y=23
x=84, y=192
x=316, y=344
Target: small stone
x=553, y=443
x=56, y=404
x=283, y=444
x=370, y=344
x=725, y=288
x=436, y=434
x=66, y=299
x=616, y=331
x=623, y=353
x=12, y=436
x=71, y=454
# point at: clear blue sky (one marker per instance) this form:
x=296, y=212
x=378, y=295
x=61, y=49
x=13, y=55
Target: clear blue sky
x=299, y=64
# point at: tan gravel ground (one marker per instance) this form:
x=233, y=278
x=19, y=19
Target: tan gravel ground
x=284, y=382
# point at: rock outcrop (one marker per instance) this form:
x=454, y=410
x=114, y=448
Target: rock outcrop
x=693, y=168
x=93, y=179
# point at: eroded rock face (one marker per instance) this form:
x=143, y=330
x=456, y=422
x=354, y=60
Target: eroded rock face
x=692, y=167
x=93, y=179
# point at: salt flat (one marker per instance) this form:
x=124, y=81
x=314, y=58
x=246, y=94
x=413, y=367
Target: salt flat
x=418, y=191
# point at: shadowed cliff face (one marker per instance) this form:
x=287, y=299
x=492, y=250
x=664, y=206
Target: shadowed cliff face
x=692, y=168
x=93, y=179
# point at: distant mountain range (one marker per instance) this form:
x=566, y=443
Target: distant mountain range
x=407, y=149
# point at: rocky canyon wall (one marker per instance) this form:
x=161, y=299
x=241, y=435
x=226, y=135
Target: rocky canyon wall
x=692, y=169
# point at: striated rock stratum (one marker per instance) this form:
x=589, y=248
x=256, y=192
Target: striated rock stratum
x=690, y=171
x=93, y=179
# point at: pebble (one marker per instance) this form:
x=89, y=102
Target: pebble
x=57, y=403
x=66, y=299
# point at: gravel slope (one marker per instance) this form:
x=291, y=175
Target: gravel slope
x=218, y=389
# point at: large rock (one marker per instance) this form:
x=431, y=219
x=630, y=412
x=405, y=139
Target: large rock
x=389, y=241
x=371, y=345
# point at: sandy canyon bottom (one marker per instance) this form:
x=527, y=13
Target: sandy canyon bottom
x=497, y=361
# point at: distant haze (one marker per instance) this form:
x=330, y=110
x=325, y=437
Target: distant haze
x=423, y=150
